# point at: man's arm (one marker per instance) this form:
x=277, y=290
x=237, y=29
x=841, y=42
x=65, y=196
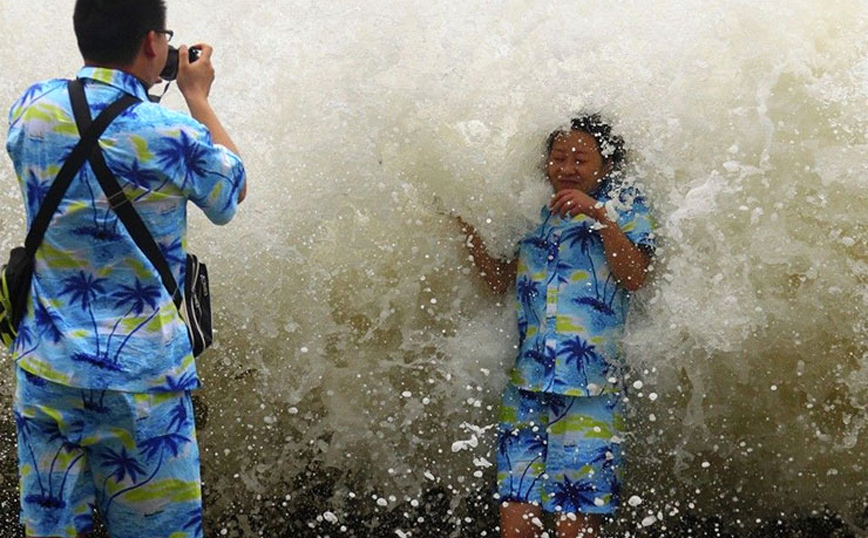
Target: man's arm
x=194, y=81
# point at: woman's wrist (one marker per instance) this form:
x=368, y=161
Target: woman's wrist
x=599, y=214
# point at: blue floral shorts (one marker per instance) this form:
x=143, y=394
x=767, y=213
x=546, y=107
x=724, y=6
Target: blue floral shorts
x=560, y=452
x=132, y=456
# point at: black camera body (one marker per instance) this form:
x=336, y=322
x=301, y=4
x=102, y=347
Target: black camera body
x=170, y=72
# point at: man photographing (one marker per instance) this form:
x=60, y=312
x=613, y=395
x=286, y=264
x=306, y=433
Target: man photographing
x=103, y=359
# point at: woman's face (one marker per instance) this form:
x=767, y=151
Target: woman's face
x=575, y=162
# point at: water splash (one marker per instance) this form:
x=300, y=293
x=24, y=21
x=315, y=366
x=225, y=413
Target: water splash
x=354, y=339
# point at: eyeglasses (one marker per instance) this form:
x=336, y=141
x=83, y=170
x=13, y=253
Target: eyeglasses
x=169, y=34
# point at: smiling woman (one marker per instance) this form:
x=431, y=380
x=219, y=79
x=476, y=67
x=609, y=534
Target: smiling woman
x=358, y=348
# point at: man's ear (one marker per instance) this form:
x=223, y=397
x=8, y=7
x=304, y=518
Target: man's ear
x=148, y=44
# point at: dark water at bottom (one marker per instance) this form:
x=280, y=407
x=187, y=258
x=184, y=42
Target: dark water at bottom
x=433, y=516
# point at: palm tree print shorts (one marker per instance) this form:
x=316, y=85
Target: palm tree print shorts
x=133, y=456
x=560, y=452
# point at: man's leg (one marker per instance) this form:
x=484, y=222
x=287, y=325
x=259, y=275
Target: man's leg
x=146, y=466
x=57, y=492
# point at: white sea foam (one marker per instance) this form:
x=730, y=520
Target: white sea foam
x=343, y=284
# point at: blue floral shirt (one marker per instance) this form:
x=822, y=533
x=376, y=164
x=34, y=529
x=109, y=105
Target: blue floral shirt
x=99, y=316
x=571, y=311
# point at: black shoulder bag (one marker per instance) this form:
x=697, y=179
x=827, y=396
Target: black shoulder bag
x=16, y=276
x=195, y=303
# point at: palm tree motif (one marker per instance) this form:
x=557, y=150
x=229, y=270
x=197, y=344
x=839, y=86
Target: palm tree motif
x=85, y=523
x=195, y=521
x=33, y=379
x=22, y=103
x=504, y=444
x=584, y=237
x=580, y=351
x=544, y=356
x=173, y=252
x=122, y=465
x=92, y=400
x=603, y=457
x=138, y=296
x=108, y=230
x=233, y=193
x=534, y=443
x=154, y=448
x=179, y=414
x=572, y=495
x=84, y=288
x=182, y=157
x=522, y=331
x=47, y=499
x=187, y=381
x=36, y=191
x=97, y=108
x=65, y=447
x=140, y=177
x=173, y=442
x=47, y=323
x=24, y=339
x=22, y=423
x=528, y=291
x=561, y=273
x=547, y=358
x=598, y=305
x=559, y=408
x=581, y=235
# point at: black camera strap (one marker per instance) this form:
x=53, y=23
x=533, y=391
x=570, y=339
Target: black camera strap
x=89, y=140
x=119, y=201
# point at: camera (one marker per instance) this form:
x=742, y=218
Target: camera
x=170, y=72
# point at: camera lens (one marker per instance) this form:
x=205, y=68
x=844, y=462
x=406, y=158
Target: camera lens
x=170, y=71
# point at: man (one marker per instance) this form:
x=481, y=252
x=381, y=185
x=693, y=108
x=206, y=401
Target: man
x=104, y=364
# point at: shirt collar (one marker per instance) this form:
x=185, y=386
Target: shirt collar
x=117, y=79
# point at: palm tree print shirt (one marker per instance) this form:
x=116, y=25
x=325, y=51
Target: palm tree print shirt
x=570, y=309
x=99, y=316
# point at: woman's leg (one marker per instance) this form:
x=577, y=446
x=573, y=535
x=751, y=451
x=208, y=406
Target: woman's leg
x=520, y=520
x=521, y=457
x=579, y=526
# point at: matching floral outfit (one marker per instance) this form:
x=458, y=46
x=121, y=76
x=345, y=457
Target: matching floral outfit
x=561, y=424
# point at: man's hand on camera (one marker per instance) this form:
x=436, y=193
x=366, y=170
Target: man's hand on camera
x=195, y=79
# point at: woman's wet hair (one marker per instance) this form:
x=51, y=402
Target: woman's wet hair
x=611, y=146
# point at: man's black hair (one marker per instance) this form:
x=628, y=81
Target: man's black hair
x=110, y=32
x=610, y=146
